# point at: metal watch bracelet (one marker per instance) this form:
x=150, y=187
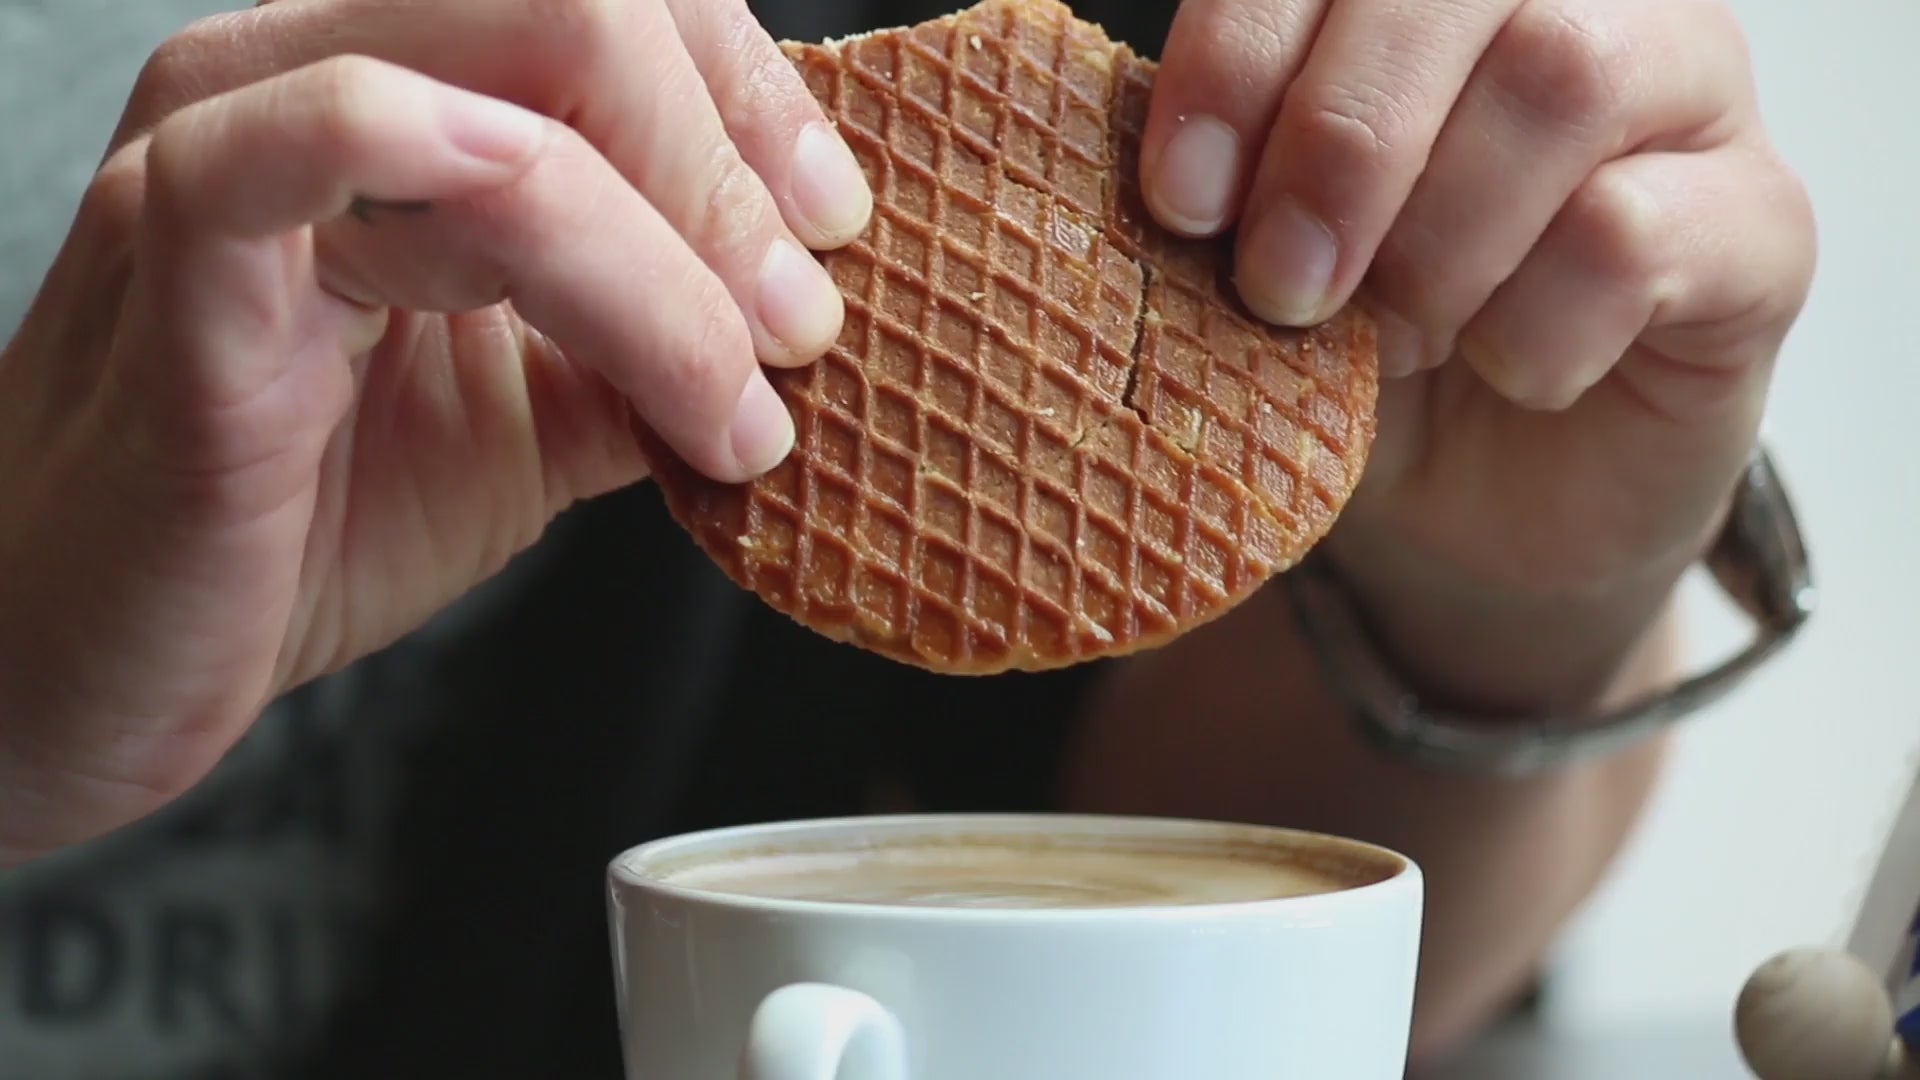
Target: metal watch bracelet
x=1759, y=558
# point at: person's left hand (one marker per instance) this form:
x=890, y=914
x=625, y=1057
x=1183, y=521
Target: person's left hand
x=1583, y=250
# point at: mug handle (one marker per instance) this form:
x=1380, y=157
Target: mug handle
x=816, y=1031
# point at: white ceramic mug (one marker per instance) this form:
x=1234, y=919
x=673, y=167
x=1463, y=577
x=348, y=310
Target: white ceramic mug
x=717, y=986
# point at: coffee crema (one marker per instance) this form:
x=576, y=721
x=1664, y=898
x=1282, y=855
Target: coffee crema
x=1000, y=872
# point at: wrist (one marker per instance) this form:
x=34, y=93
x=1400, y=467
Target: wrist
x=1465, y=642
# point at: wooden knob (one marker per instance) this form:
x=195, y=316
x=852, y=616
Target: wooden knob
x=1816, y=1014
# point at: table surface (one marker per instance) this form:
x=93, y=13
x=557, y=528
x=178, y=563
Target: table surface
x=1696, y=1049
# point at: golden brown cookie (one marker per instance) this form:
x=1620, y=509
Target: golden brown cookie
x=1049, y=431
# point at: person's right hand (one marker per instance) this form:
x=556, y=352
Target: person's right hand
x=364, y=294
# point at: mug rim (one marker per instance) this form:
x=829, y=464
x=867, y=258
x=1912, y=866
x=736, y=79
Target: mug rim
x=629, y=870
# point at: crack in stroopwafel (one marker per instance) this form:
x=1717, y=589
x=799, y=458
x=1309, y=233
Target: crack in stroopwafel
x=1048, y=431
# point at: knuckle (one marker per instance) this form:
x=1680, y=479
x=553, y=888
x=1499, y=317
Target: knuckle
x=716, y=348
x=1616, y=227
x=1565, y=68
x=1714, y=35
x=731, y=217
x=168, y=160
x=348, y=93
x=1241, y=49
x=1261, y=25
x=1789, y=193
x=1721, y=24
x=174, y=75
x=158, y=89
x=1797, y=202
x=113, y=198
x=1357, y=126
x=749, y=78
x=570, y=191
x=573, y=33
x=1791, y=204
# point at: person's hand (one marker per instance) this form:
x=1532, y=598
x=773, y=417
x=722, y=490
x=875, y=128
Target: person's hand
x=364, y=294
x=1584, y=253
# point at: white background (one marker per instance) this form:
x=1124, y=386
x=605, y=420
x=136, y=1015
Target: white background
x=1779, y=801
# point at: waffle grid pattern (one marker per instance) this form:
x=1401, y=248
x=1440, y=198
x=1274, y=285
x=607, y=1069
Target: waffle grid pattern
x=974, y=487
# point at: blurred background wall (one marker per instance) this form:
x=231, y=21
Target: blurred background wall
x=1778, y=801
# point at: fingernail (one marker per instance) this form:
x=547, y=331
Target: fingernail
x=495, y=131
x=1288, y=266
x=828, y=186
x=1509, y=381
x=800, y=306
x=1401, y=346
x=1197, y=176
x=762, y=428
x=1531, y=386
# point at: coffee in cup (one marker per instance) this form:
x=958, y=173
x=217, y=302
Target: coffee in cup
x=987, y=871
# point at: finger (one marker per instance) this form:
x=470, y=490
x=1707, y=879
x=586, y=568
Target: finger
x=1353, y=134
x=224, y=188
x=616, y=72
x=1566, y=86
x=1705, y=257
x=1222, y=73
x=649, y=112
x=557, y=232
x=776, y=122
